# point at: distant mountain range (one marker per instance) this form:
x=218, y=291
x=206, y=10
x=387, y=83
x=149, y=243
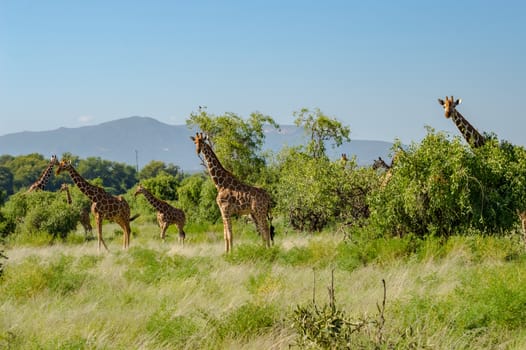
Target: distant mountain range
x=139, y=140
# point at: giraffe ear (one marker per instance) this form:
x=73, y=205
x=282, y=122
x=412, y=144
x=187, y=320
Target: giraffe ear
x=441, y=101
x=192, y=138
x=458, y=101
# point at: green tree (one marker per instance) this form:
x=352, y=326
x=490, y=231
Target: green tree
x=116, y=177
x=321, y=129
x=157, y=167
x=163, y=186
x=237, y=143
x=6, y=181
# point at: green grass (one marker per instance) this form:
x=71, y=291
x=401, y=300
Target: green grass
x=464, y=293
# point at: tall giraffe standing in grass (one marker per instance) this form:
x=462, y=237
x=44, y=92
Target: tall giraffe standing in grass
x=166, y=214
x=42, y=181
x=104, y=205
x=470, y=134
x=84, y=212
x=235, y=197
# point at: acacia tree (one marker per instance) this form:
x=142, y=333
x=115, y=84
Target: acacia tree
x=157, y=167
x=237, y=142
x=321, y=129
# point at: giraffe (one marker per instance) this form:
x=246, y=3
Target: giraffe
x=380, y=163
x=166, y=214
x=84, y=212
x=470, y=134
x=235, y=197
x=42, y=181
x=104, y=205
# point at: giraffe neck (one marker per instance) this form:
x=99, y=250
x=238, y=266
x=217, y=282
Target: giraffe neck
x=84, y=186
x=68, y=195
x=220, y=176
x=472, y=136
x=44, y=177
x=155, y=202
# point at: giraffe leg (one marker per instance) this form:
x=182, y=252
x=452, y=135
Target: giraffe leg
x=160, y=223
x=99, y=233
x=263, y=228
x=227, y=231
x=126, y=235
x=182, y=234
x=164, y=227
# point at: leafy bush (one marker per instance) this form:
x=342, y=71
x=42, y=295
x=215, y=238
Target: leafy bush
x=500, y=170
x=197, y=198
x=315, y=192
x=42, y=211
x=7, y=225
x=306, y=194
x=442, y=187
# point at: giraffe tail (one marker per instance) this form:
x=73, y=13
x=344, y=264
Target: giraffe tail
x=134, y=217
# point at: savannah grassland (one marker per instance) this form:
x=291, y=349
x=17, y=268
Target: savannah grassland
x=467, y=292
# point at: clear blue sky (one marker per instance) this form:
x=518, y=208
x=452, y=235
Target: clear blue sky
x=377, y=66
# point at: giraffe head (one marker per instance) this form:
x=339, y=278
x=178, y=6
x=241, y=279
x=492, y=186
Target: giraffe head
x=380, y=163
x=54, y=160
x=199, y=141
x=449, y=105
x=140, y=189
x=63, y=165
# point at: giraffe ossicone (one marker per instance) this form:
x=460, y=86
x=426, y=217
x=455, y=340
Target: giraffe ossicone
x=235, y=197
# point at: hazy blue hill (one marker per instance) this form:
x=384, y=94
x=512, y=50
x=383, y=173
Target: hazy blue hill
x=119, y=140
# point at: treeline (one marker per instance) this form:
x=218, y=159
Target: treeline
x=438, y=186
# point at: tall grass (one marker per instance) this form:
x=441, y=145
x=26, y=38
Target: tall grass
x=466, y=292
